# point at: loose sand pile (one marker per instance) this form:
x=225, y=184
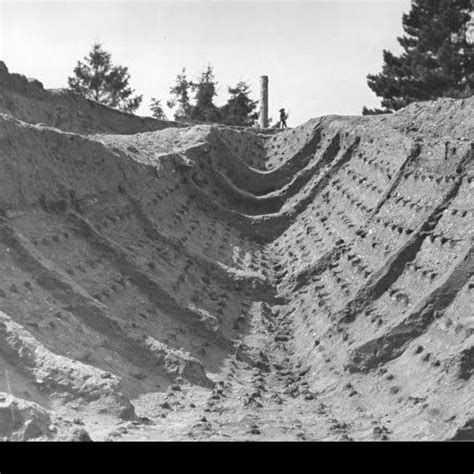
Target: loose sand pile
x=164, y=282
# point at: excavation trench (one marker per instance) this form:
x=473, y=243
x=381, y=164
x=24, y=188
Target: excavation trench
x=222, y=283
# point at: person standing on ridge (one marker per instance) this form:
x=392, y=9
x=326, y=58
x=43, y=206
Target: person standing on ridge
x=283, y=117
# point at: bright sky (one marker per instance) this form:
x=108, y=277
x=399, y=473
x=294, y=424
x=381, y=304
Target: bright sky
x=316, y=53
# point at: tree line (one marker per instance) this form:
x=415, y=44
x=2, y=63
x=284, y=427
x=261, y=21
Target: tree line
x=437, y=61
x=97, y=78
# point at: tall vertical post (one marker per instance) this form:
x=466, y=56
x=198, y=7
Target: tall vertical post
x=263, y=102
x=470, y=28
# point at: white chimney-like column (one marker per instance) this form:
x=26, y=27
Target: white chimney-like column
x=263, y=122
x=470, y=30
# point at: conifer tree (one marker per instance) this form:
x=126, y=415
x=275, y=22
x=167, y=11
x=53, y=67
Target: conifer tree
x=437, y=61
x=157, y=109
x=98, y=79
x=180, y=97
x=204, y=109
x=240, y=108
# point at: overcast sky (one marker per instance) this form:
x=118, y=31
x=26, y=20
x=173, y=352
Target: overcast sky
x=316, y=53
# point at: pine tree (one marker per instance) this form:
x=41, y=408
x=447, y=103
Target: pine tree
x=240, y=108
x=157, y=109
x=98, y=79
x=437, y=61
x=180, y=97
x=204, y=109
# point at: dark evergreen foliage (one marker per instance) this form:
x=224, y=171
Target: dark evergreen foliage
x=240, y=108
x=157, y=109
x=437, y=61
x=204, y=109
x=180, y=97
x=97, y=78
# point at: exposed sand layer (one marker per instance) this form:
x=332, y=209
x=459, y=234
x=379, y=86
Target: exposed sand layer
x=162, y=282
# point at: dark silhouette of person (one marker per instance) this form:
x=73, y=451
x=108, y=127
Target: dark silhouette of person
x=283, y=117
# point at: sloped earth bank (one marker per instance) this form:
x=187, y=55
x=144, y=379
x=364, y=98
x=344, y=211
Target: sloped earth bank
x=212, y=283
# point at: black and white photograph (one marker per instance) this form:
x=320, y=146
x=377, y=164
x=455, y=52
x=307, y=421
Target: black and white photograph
x=236, y=221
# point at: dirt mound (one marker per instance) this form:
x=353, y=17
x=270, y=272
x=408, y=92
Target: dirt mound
x=216, y=283
x=26, y=99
